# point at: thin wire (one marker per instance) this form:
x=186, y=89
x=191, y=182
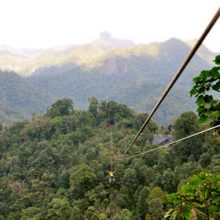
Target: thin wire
x=111, y=163
x=174, y=142
x=111, y=145
x=176, y=76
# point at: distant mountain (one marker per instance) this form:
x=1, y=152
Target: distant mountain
x=16, y=52
x=135, y=76
x=25, y=62
x=18, y=98
x=114, y=69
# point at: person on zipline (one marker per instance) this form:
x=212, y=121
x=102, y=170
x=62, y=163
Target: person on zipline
x=111, y=176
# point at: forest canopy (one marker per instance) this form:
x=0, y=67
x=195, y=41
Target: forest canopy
x=55, y=166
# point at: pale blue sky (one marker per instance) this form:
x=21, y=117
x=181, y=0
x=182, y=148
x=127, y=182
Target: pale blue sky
x=47, y=23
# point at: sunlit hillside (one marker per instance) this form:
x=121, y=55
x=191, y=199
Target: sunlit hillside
x=106, y=68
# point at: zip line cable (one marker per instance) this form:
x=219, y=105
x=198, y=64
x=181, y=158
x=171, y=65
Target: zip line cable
x=111, y=123
x=174, y=142
x=176, y=76
x=111, y=152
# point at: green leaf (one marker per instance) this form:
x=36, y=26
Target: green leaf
x=217, y=59
x=204, y=74
x=214, y=73
x=193, y=91
x=208, y=98
x=202, y=89
x=201, y=110
x=187, y=213
x=200, y=100
x=203, y=119
x=217, y=86
x=197, y=79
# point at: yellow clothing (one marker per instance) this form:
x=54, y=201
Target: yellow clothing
x=111, y=174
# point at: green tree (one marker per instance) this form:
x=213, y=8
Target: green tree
x=130, y=180
x=215, y=164
x=59, y=208
x=140, y=119
x=124, y=214
x=185, y=125
x=60, y=108
x=207, y=82
x=76, y=214
x=30, y=213
x=82, y=178
x=155, y=208
x=142, y=202
x=200, y=195
x=156, y=201
x=93, y=106
x=168, y=181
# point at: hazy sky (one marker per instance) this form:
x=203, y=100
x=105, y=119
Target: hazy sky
x=46, y=23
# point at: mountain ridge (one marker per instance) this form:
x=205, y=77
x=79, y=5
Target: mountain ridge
x=26, y=62
x=134, y=76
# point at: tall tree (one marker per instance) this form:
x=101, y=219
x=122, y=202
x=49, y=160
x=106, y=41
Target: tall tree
x=185, y=125
x=60, y=108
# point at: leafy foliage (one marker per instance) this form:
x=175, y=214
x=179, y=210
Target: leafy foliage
x=185, y=125
x=205, y=83
x=60, y=108
x=54, y=167
x=200, y=196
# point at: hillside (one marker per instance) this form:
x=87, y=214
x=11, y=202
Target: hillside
x=106, y=68
x=134, y=76
x=91, y=55
x=18, y=98
x=55, y=167
x=25, y=62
